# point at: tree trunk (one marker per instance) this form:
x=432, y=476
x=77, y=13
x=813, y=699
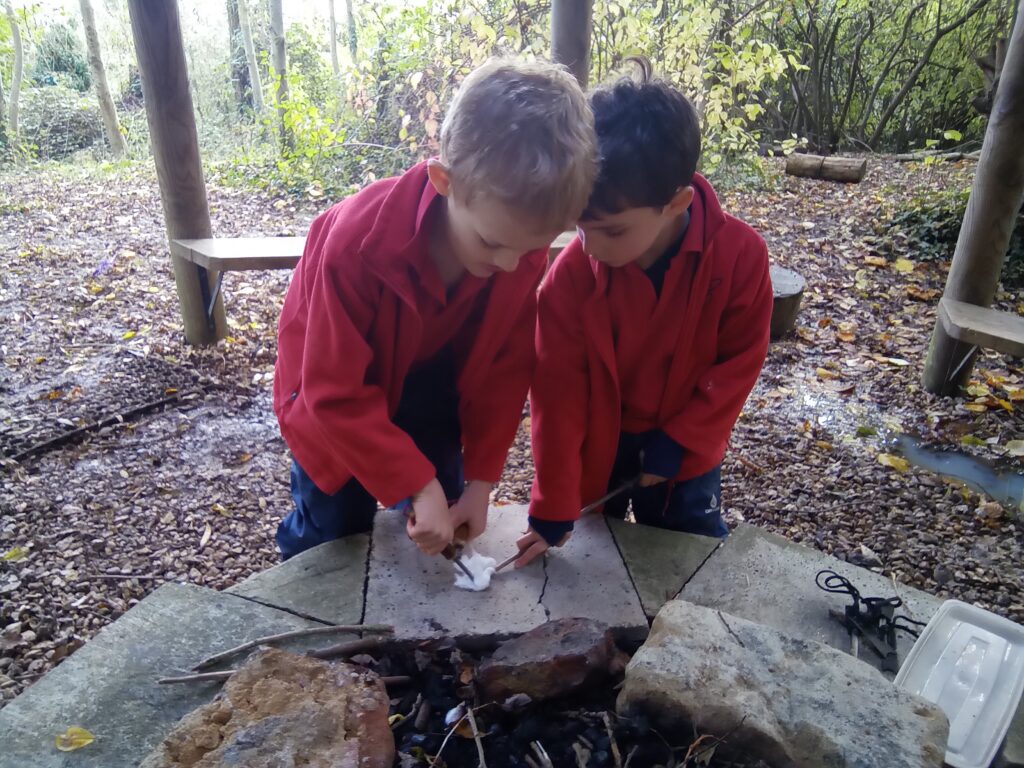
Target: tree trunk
x=19, y=65
x=175, y=144
x=992, y=209
x=280, y=66
x=850, y=169
x=334, y=40
x=353, y=38
x=115, y=138
x=570, y=36
x=250, y=56
x=239, y=62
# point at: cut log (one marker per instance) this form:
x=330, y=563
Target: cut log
x=787, y=288
x=850, y=169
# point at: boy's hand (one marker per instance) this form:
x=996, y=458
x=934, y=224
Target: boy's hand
x=532, y=545
x=471, y=508
x=647, y=480
x=430, y=524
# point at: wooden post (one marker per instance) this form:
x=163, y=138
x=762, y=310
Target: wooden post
x=992, y=208
x=570, y=36
x=175, y=145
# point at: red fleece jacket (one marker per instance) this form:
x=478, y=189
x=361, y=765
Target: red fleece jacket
x=350, y=330
x=721, y=338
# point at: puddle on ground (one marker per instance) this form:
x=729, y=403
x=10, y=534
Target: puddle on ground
x=1004, y=486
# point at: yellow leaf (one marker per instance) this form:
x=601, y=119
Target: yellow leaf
x=73, y=738
x=903, y=265
x=895, y=462
x=128, y=335
x=976, y=407
x=220, y=510
x=823, y=446
x=875, y=261
x=825, y=373
x=1005, y=405
x=972, y=440
x=95, y=288
x=14, y=555
x=978, y=390
x=171, y=391
x=395, y=719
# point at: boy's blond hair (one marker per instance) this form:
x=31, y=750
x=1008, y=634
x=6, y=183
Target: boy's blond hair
x=521, y=133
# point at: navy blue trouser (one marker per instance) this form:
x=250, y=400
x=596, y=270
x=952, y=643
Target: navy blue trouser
x=692, y=506
x=429, y=413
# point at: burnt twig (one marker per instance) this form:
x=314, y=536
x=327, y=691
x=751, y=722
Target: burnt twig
x=616, y=755
x=476, y=738
x=349, y=648
x=726, y=623
x=219, y=657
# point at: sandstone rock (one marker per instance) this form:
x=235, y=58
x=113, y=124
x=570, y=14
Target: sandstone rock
x=553, y=660
x=805, y=705
x=282, y=710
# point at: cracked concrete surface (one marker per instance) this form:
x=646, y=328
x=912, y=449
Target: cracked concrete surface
x=415, y=593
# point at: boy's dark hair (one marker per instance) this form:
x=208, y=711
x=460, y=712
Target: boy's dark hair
x=649, y=142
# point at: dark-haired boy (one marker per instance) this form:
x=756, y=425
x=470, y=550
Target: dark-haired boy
x=652, y=329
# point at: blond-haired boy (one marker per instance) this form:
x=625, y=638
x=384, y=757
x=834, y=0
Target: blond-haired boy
x=406, y=338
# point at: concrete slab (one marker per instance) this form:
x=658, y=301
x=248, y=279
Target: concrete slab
x=587, y=578
x=659, y=562
x=324, y=583
x=768, y=579
x=109, y=686
x=415, y=593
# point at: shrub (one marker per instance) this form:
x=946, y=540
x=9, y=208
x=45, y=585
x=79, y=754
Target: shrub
x=57, y=121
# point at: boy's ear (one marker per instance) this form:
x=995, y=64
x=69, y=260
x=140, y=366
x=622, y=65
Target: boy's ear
x=438, y=174
x=680, y=200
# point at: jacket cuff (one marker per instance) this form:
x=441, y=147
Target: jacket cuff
x=552, y=531
x=662, y=455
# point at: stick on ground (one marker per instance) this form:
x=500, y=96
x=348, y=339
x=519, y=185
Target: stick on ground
x=476, y=738
x=219, y=657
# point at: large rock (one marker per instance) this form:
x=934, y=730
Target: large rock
x=281, y=710
x=792, y=702
x=555, y=659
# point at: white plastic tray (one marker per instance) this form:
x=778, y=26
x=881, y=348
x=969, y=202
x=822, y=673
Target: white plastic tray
x=971, y=663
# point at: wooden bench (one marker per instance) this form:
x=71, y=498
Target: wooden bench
x=238, y=254
x=983, y=326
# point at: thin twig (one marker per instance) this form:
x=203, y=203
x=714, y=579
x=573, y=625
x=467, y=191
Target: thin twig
x=629, y=757
x=433, y=761
x=749, y=464
x=394, y=680
x=542, y=755
x=405, y=718
x=476, y=738
x=716, y=742
x=616, y=755
x=349, y=648
x=121, y=576
x=219, y=657
x=201, y=677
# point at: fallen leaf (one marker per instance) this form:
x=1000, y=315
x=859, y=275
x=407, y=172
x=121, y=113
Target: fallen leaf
x=825, y=373
x=976, y=407
x=875, y=261
x=220, y=509
x=895, y=462
x=975, y=441
x=14, y=555
x=864, y=431
x=1015, y=447
x=921, y=294
x=207, y=532
x=903, y=265
x=74, y=738
x=128, y=335
x=978, y=390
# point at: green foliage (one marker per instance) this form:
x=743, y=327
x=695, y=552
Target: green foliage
x=926, y=228
x=60, y=59
x=307, y=68
x=57, y=121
